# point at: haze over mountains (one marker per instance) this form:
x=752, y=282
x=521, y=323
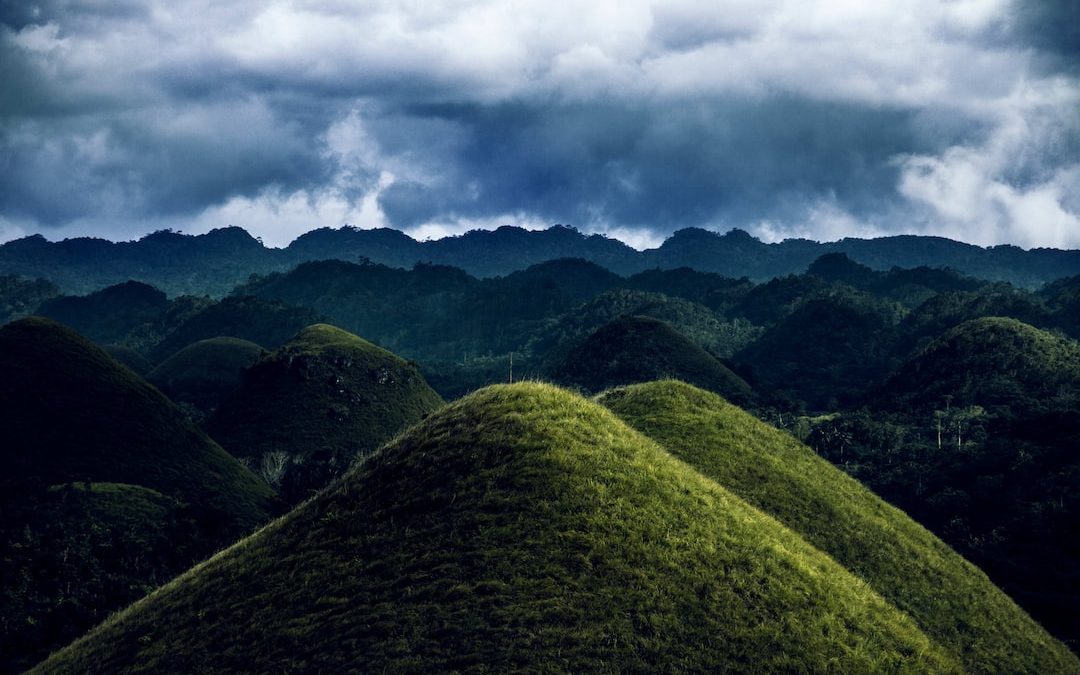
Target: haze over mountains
x=215, y=262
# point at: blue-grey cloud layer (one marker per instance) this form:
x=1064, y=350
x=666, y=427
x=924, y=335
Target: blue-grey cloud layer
x=791, y=118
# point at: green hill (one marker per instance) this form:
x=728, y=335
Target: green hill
x=303, y=413
x=989, y=362
x=136, y=362
x=202, y=374
x=265, y=322
x=70, y=413
x=634, y=349
x=520, y=528
x=108, y=315
x=950, y=599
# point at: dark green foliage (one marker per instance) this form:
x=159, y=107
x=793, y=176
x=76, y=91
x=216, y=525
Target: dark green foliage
x=639, y=349
x=303, y=414
x=1063, y=296
x=990, y=362
x=108, y=315
x=826, y=352
x=70, y=413
x=136, y=362
x=951, y=600
x=265, y=322
x=20, y=297
x=521, y=528
x=775, y=300
x=717, y=292
x=202, y=374
x=76, y=552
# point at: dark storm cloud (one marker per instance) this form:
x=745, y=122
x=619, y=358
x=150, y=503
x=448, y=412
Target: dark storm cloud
x=662, y=167
x=795, y=118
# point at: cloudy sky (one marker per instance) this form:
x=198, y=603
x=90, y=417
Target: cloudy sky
x=816, y=118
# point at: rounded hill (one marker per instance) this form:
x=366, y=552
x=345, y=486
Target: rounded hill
x=204, y=373
x=526, y=527
x=992, y=361
x=72, y=413
x=302, y=414
x=951, y=600
x=634, y=349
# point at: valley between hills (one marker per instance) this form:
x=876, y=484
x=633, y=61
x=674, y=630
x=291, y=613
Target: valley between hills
x=538, y=451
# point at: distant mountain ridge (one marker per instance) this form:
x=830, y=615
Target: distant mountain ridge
x=214, y=262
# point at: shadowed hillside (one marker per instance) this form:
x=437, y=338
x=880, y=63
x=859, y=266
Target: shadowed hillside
x=202, y=374
x=639, y=349
x=526, y=527
x=107, y=490
x=950, y=599
x=302, y=414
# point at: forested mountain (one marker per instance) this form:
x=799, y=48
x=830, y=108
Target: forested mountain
x=215, y=262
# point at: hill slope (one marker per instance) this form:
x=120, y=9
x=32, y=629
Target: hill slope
x=302, y=414
x=992, y=361
x=951, y=600
x=70, y=412
x=520, y=528
x=161, y=494
x=204, y=373
x=634, y=349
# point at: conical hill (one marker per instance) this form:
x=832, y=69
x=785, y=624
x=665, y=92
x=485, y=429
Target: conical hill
x=303, y=413
x=521, y=528
x=951, y=600
x=634, y=349
x=202, y=374
x=72, y=413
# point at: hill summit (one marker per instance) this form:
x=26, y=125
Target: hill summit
x=520, y=528
x=634, y=349
x=303, y=413
x=949, y=598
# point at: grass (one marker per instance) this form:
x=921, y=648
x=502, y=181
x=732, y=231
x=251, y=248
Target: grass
x=71, y=413
x=325, y=396
x=950, y=599
x=204, y=373
x=520, y=528
x=634, y=349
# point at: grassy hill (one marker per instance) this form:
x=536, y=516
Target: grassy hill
x=302, y=414
x=72, y=413
x=991, y=361
x=202, y=374
x=136, y=362
x=153, y=493
x=950, y=599
x=108, y=315
x=520, y=528
x=634, y=349
x=265, y=322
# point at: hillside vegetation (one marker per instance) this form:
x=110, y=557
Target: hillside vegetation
x=202, y=374
x=523, y=528
x=107, y=490
x=302, y=414
x=640, y=349
x=950, y=599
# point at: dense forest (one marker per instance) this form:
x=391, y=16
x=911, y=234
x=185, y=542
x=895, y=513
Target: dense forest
x=952, y=395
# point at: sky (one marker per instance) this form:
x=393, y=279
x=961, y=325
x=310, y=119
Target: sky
x=635, y=118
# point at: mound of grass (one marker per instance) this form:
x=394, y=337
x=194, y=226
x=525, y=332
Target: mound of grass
x=634, y=349
x=71, y=413
x=520, y=528
x=304, y=413
x=136, y=362
x=991, y=362
x=202, y=374
x=950, y=599
x=69, y=556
